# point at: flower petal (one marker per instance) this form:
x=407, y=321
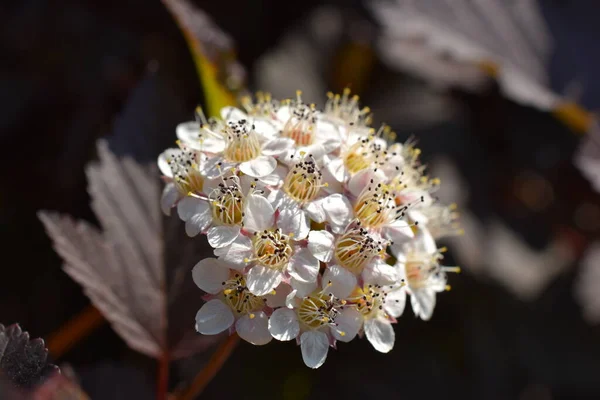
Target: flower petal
x=294, y=221
x=229, y=113
x=363, y=178
x=258, y=213
x=380, y=273
x=189, y=133
x=189, y=206
x=315, y=211
x=163, y=164
x=261, y=280
x=395, y=302
x=216, y=167
x=253, y=328
x=281, y=293
x=398, y=232
x=277, y=146
x=209, y=275
x=198, y=223
x=342, y=281
x=423, y=302
x=266, y=129
x=321, y=245
x=337, y=169
x=214, y=317
x=258, y=167
x=303, y=266
x=221, y=236
x=380, y=333
x=169, y=197
x=236, y=253
x=348, y=323
x=314, y=346
x=283, y=324
x=338, y=210
x=302, y=289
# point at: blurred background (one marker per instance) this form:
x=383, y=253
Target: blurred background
x=500, y=95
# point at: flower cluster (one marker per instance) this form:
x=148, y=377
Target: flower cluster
x=320, y=224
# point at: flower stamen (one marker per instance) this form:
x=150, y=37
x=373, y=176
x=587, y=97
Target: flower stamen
x=242, y=142
x=303, y=181
x=356, y=248
x=237, y=296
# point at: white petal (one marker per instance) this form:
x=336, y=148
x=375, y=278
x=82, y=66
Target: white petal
x=315, y=211
x=348, y=323
x=303, y=266
x=395, y=302
x=189, y=133
x=337, y=169
x=221, y=236
x=229, y=113
x=380, y=333
x=163, y=165
x=321, y=245
x=398, y=232
x=214, y=317
x=363, y=178
x=189, y=206
x=209, y=275
x=266, y=129
x=258, y=167
x=284, y=114
x=198, y=223
x=302, y=289
x=254, y=329
x=338, y=210
x=380, y=273
x=425, y=241
x=236, y=253
x=276, y=177
x=169, y=197
x=423, y=303
x=261, y=280
x=258, y=213
x=342, y=281
x=277, y=146
x=216, y=166
x=281, y=293
x=314, y=346
x=293, y=220
x=283, y=324
x=291, y=300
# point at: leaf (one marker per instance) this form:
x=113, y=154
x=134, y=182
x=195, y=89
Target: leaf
x=23, y=361
x=505, y=39
x=213, y=55
x=137, y=271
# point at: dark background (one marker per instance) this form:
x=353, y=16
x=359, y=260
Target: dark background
x=75, y=71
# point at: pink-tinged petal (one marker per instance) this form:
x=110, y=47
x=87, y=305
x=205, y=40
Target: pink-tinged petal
x=303, y=266
x=348, y=323
x=380, y=334
x=281, y=293
x=315, y=211
x=283, y=324
x=339, y=281
x=253, y=328
x=236, y=254
x=259, y=167
x=380, y=273
x=258, y=213
x=337, y=169
x=321, y=244
x=363, y=179
x=169, y=197
x=261, y=280
x=221, y=236
x=314, y=346
x=209, y=275
x=214, y=317
x=294, y=221
x=338, y=210
x=302, y=289
x=277, y=146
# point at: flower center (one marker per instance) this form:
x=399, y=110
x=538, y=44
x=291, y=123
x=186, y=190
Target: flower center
x=272, y=248
x=370, y=299
x=376, y=206
x=242, y=142
x=347, y=109
x=237, y=296
x=301, y=125
x=303, y=181
x=355, y=249
x=319, y=309
x=186, y=176
x=228, y=203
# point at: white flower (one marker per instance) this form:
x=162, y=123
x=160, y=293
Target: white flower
x=316, y=321
x=181, y=169
x=231, y=303
x=419, y=267
x=440, y=220
x=378, y=306
x=270, y=251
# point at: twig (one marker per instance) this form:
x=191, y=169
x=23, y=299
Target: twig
x=162, y=389
x=74, y=330
x=210, y=370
